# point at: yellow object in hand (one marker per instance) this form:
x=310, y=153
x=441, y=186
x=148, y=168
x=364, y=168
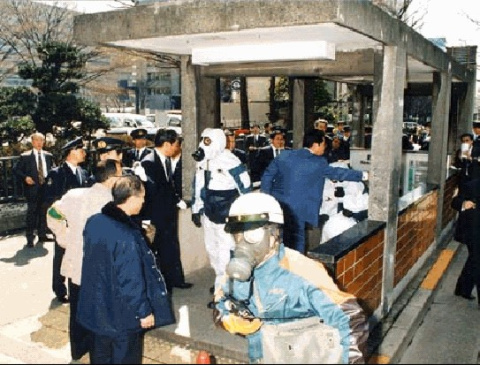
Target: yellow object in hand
x=235, y=324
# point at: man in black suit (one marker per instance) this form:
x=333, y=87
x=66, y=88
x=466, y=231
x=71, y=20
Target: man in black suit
x=162, y=201
x=474, y=168
x=466, y=203
x=253, y=142
x=32, y=168
x=68, y=175
x=266, y=154
x=140, y=151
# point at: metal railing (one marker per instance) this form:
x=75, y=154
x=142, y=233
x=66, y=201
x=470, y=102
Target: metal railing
x=11, y=187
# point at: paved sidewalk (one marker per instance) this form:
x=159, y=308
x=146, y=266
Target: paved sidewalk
x=33, y=325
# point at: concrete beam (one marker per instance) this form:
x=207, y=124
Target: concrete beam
x=346, y=64
x=163, y=19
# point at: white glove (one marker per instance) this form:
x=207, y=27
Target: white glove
x=365, y=176
x=139, y=171
x=182, y=205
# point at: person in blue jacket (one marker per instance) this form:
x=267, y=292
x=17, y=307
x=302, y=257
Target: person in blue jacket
x=296, y=179
x=286, y=304
x=123, y=292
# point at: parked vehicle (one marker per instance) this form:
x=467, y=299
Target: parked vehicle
x=125, y=123
x=169, y=119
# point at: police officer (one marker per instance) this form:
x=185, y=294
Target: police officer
x=106, y=148
x=66, y=176
x=139, y=137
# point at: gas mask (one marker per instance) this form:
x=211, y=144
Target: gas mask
x=212, y=144
x=254, y=220
x=251, y=248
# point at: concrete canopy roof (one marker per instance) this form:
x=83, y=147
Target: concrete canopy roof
x=356, y=29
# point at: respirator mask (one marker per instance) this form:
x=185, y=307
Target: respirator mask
x=199, y=154
x=251, y=248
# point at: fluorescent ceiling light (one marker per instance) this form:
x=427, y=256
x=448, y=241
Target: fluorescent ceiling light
x=282, y=51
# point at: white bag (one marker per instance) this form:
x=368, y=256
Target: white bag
x=303, y=341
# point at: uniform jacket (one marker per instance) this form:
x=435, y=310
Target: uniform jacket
x=250, y=141
x=290, y=286
x=242, y=156
x=27, y=166
x=161, y=196
x=296, y=179
x=469, y=219
x=61, y=179
x=67, y=217
x=129, y=156
x=120, y=281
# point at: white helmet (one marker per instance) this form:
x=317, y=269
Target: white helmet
x=253, y=210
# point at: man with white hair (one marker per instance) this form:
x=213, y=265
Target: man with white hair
x=220, y=178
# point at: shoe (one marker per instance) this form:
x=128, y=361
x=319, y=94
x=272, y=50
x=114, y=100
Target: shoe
x=63, y=300
x=183, y=285
x=29, y=245
x=465, y=296
x=212, y=290
x=211, y=305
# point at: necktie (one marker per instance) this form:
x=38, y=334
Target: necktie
x=79, y=176
x=41, y=175
x=137, y=155
x=277, y=152
x=168, y=166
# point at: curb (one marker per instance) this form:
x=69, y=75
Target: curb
x=404, y=327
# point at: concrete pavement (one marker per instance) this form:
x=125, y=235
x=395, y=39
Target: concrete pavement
x=33, y=325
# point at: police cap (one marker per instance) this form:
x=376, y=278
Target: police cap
x=74, y=144
x=106, y=144
x=476, y=124
x=139, y=133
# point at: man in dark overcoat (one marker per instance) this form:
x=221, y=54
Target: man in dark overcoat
x=467, y=203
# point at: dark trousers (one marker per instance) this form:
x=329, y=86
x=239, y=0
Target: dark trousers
x=79, y=336
x=123, y=349
x=36, y=215
x=294, y=233
x=470, y=275
x=58, y=280
x=167, y=252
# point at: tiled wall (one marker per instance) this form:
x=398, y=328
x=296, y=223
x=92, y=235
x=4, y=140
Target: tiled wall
x=415, y=233
x=360, y=271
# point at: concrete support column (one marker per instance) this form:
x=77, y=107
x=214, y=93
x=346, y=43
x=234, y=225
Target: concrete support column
x=438, y=147
x=389, y=81
x=358, y=117
x=467, y=104
x=190, y=124
x=298, y=112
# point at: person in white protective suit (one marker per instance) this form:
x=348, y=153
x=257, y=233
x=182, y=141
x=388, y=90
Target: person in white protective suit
x=220, y=177
x=286, y=304
x=345, y=203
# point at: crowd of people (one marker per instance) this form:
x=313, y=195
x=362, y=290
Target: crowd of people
x=117, y=255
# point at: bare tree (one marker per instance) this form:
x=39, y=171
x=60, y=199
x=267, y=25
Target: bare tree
x=405, y=11
x=25, y=25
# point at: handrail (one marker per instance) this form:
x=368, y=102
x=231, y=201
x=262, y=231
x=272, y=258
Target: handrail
x=11, y=187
